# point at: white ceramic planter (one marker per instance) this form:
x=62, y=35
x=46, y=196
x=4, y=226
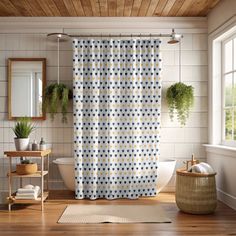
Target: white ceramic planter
x=22, y=144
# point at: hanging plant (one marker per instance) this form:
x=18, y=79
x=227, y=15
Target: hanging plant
x=180, y=98
x=56, y=98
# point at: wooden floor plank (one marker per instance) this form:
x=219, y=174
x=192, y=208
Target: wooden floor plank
x=29, y=220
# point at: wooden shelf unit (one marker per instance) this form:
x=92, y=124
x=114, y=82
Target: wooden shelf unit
x=30, y=201
x=39, y=174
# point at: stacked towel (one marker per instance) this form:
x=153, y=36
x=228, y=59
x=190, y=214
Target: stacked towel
x=28, y=192
x=201, y=168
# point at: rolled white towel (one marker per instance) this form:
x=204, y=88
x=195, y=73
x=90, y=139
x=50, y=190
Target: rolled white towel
x=201, y=168
x=207, y=167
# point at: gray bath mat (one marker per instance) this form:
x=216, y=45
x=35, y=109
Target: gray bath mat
x=92, y=214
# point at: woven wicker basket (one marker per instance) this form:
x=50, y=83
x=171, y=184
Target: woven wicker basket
x=195, y=193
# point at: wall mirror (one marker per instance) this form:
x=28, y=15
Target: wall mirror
x=26, y=83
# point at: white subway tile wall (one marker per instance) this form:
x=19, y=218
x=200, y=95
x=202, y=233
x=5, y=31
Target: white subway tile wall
x=176, y=142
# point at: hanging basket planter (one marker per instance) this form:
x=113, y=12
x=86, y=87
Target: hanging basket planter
x=57, y=95
x=180, y=98
x=56, y=98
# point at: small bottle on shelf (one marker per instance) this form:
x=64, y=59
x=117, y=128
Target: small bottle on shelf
x=42, y=145
x=35, y=146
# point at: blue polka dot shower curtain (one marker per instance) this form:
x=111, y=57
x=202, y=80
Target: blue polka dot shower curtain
x=117, y=102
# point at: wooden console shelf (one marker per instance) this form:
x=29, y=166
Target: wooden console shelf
x=39, y=174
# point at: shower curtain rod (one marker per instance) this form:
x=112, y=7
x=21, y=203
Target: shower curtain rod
x=118, y=35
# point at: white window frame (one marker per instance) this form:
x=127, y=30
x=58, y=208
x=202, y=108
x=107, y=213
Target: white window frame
x=223, y=74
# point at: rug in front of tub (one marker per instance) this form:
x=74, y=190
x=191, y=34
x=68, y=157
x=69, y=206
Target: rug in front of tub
x=117, y=99
x=92, y=214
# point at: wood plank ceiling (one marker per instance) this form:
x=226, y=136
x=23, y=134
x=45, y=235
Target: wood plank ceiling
x=106, y=7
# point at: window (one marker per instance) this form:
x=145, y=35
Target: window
x=229, y=90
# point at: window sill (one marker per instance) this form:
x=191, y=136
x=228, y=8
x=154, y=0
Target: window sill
x=221, y=149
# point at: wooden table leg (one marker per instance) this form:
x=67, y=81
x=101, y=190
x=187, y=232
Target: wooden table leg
x=42, y=182
x=48, y=172
x=9, y=184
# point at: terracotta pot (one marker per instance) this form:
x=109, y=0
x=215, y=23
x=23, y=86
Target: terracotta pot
x=26, y=169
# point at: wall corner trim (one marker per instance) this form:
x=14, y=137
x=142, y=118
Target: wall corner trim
x=226, y=198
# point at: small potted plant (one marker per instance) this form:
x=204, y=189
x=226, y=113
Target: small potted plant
x=180, y=98
x=22, y=130
x=26, y=167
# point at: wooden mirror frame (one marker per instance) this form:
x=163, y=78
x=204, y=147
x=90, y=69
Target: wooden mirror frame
x=10, y=60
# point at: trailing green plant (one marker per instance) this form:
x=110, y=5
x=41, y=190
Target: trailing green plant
x=57, y=96
x=23, y=127
x=180, y=98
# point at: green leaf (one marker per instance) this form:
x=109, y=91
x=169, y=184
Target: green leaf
x=23, y=127
x=56, y=98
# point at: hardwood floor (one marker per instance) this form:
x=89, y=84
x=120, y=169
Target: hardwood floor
x=29, y=221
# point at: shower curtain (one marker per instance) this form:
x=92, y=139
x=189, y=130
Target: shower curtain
x=117, y=100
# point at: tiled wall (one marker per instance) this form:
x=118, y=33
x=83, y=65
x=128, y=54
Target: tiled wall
x=176, y=143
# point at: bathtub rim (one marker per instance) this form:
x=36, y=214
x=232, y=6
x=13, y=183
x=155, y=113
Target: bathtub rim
x=70, y=161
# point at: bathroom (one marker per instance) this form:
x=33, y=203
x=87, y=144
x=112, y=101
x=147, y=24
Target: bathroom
x=60, y=135
x=21, y=38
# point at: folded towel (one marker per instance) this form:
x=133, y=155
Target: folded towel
x=26, y=197
x=28, y=190
x=201, y=168
x=28, y=186
x=24, y=193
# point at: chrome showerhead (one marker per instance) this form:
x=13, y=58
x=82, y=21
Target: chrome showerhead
x=58, y=36
x=175, y=38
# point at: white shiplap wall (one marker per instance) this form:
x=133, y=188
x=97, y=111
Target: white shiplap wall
x=21, y=38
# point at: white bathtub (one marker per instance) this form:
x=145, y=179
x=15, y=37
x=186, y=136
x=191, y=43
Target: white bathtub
x=66, y=168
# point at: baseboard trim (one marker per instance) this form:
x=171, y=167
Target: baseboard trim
x=226, y=198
